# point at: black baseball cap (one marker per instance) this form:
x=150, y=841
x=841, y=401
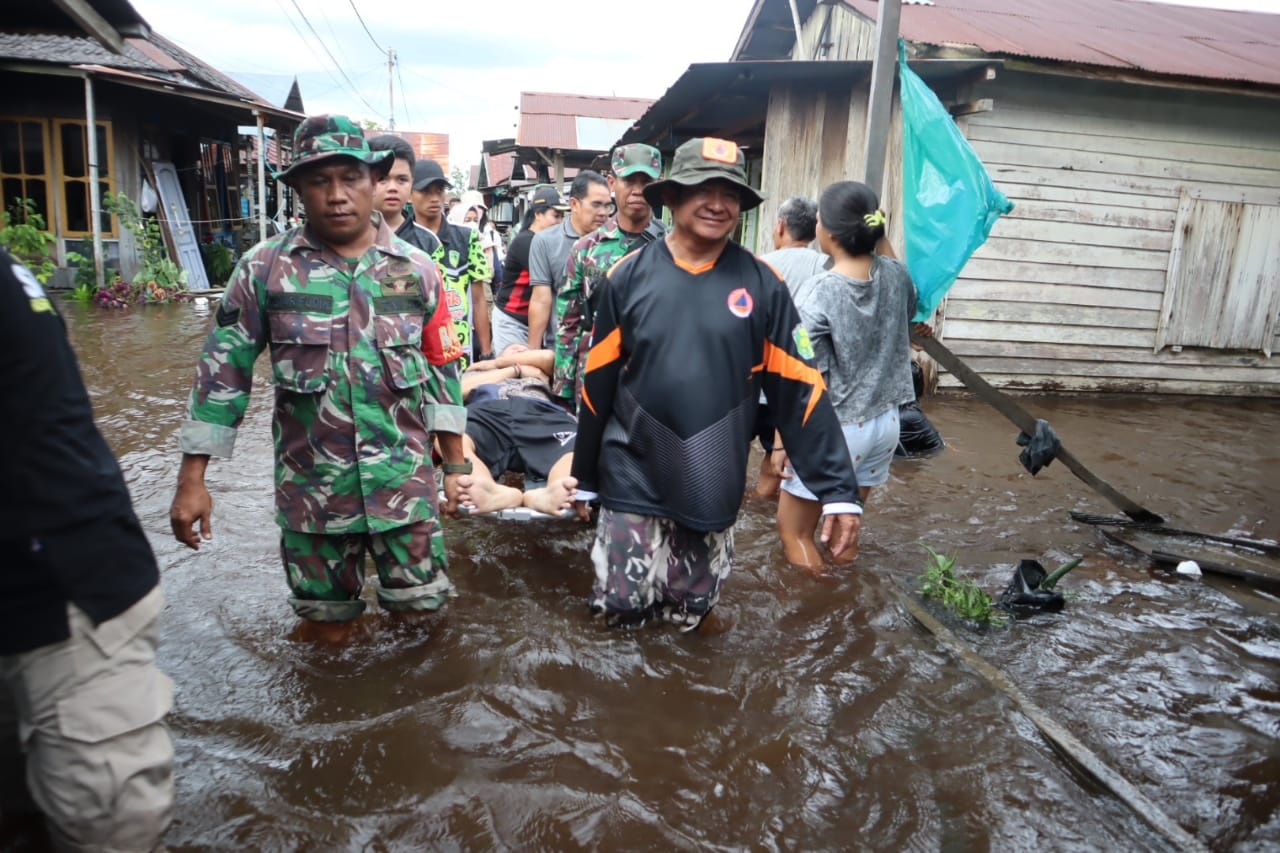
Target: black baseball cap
x=544, y=197
x=426, y=173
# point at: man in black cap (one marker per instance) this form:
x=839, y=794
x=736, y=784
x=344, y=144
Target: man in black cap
x=688, y=331
x=464, y=264
x=511, y=301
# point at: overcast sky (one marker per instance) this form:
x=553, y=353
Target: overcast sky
x=462, y=63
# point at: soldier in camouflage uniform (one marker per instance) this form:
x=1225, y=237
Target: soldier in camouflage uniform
x=633, y=167
x=365, y=366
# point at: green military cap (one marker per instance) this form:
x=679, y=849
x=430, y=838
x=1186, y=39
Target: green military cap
x=636, y=157
x=326, y=136
x=706, y=159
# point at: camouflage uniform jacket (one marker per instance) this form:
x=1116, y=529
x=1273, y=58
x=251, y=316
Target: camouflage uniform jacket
x=365, y=365
x=464, y=263
x=589, y=261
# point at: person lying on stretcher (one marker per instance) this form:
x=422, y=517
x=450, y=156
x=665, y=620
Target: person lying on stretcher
x=513, y=425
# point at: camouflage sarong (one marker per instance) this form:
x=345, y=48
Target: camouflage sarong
x=326, y=572
x=648, y=567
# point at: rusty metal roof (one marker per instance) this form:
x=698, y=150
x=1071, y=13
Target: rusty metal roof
x=575, y=122
x=1159, y=38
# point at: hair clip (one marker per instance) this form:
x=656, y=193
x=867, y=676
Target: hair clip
x=876, y=217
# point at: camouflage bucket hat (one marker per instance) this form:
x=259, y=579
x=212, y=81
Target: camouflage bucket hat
x=327, y=136
x=706, y=159
x=636, y=157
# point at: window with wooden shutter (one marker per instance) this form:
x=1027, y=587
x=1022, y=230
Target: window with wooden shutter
x=1222, y=290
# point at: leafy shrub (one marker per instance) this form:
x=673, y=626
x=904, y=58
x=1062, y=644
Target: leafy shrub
x=24, y=233
x=961, y=596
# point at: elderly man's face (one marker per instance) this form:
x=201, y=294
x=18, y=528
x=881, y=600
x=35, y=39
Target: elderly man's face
x=338, y=196
x=708, y=211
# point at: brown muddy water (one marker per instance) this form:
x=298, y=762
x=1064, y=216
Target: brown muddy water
x=820, y=716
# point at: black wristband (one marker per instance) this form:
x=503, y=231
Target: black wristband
x=463, y=467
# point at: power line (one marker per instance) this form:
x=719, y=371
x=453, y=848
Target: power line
x=366, y=27
x=336, y=65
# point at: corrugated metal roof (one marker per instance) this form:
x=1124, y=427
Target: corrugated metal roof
x=551, y=120
x=1159, y=38
x=428, y=146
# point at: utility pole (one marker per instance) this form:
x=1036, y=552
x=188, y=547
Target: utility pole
x=391, y=85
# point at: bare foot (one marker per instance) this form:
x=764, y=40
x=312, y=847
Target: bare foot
x=488, y=496
x=554, y=498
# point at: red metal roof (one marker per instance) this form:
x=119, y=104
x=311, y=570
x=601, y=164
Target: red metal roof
x=1155, y=37
x=428, y=146
x=550, y=120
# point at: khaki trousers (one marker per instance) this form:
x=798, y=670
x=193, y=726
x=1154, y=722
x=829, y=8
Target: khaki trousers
x=87, y=716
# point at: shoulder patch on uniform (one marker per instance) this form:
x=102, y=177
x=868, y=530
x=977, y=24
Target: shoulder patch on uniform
x=228, y=315
x=804, y=346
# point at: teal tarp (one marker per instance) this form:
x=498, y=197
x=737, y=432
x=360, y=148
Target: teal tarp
x=949, y=202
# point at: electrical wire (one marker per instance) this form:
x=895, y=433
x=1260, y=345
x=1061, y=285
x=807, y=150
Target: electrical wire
x=354, y=90
x=360, y=18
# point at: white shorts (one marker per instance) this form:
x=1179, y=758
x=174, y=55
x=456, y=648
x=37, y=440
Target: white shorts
x=871, y=445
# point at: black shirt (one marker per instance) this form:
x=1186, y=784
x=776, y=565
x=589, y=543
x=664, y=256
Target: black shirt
x=513, y=297
x=67, y=527
x=679, y=357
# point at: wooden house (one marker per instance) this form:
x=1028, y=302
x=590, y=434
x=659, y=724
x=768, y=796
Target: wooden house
x=1140, y=143
x=161, y=117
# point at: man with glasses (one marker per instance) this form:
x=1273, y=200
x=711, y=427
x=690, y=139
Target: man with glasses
x=633, y=168
x=589, y=207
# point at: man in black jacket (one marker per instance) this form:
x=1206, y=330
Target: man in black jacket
x=81, y=700
x=689, y=330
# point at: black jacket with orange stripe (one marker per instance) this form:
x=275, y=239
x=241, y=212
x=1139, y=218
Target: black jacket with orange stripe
x=672, y=381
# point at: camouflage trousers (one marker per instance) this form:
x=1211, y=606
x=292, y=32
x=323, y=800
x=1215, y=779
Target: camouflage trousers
x=649, y=567
x=326, y=572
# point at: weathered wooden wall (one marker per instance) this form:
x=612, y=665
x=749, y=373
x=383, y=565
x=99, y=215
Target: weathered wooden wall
x=1067, y=292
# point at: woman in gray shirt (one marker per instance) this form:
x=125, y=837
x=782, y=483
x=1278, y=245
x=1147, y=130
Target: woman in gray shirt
x=857, y=318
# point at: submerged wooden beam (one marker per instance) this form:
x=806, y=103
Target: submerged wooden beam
x=1054, y=732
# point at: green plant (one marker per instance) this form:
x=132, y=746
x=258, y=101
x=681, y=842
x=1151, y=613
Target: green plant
x=219, y=261
x=85, y=286
x=961, y=596
x=157, y=268
x=23, y=232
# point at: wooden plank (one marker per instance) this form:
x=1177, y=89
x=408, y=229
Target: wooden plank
x=1067, y=137
x=1123, y=385
x=1085, y=213
x=1197, y=286
x=1252, y=293
x=1077, y=195
x=1018, y=366
x=1188, y=358
x=1150, y=166
x=1051, y=314
x=1065, y=253
x=1053, y=176
x=1084, y=237
x=1058, y=294
x=1118, y=109
x=985, y=330
x=980, y=269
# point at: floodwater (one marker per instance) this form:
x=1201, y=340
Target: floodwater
x=818, y=716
